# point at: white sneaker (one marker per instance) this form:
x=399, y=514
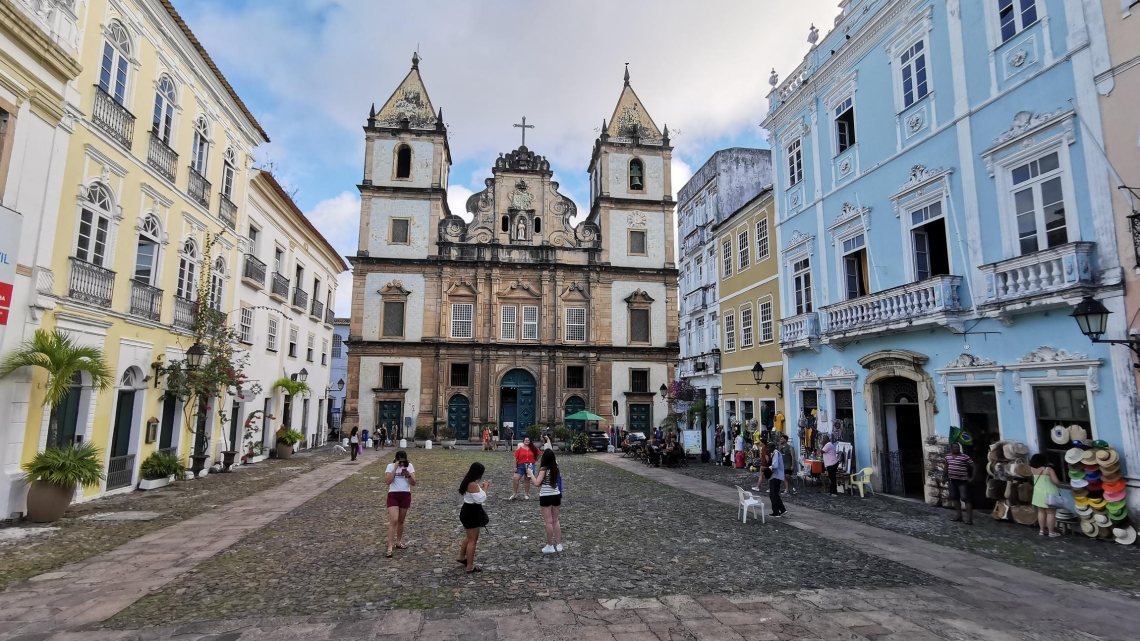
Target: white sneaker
x=548, y=549
x=558, y=548
x=512, y=498
x=526, y=497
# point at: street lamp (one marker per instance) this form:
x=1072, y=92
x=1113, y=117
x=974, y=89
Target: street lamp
x=340, y=385
x=664, y=391
x=1092, y=317
x=758, y=376
x=303, y=375
x=195, y=355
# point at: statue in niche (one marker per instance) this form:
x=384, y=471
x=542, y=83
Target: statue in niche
x=520, y=229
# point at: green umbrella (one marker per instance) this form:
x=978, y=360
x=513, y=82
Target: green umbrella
x=584, y=416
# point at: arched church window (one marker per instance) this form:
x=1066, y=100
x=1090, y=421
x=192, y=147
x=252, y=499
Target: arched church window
x=404, y=162
x=636, y=175
x=506, y=224
x=537, y=225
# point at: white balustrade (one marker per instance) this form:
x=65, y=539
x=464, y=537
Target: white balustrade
x=1042, y=272
x=909, y=302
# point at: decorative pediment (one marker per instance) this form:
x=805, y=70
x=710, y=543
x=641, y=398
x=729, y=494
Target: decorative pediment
x=393, y=288
x=850, y=214
x=804, y=375
x=1027, y=121
x=1045, y=354
x=838, y=371
x=797, y=240
x=522, y=199
x=522, y=159
x=575, y=291
x=966, y=361
x=638, y=296
x=919, y=174
x=519, y=288
x=461, y=288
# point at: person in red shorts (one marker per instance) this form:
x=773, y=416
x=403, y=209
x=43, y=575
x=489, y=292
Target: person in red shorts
x=400, y=477
x=525, y=457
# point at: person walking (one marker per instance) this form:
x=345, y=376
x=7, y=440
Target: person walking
x=486, y=438
x=525, y=457
x=549, y=482
x=830, y=463
x=400, y=476
x=775, y=480
x=1046, y=496
x=472, y=515
x=959, y=470
x=354, y=442
x=790, y=462
x=509, y=437
x=381, y=438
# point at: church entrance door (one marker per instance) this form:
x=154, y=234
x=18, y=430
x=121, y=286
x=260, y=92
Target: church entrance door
x=459, y=417
x=640, y=418
x=390, y=415
x=517, y=400
x=575, y=404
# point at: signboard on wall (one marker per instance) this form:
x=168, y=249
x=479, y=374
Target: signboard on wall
x=10, y=222
x=691, y=439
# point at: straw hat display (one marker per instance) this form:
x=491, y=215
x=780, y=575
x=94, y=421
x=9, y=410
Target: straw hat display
x=1125, y=535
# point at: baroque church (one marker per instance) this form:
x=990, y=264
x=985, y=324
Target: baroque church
x=517, y=316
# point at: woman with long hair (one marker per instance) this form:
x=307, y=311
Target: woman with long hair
x=472, y=515
x=549, y=482
x=525, y=456
x=354, y=442
x=400, y=477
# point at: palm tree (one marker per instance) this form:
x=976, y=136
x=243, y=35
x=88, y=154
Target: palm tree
x=62, y=358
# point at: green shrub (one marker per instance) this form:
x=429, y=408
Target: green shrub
x=534, y=433
x=66, y=466
x=290, y=437
x=563, y=434
x=160, y=465
x=445, y=433
x=580, y=444
x=423, y=433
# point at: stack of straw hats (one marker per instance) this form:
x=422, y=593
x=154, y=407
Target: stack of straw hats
x=1099, y=491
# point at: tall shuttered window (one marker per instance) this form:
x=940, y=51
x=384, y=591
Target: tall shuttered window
x=576, y=324
x=639, y=325
x=462, y=320
x=530, y=323
x=393, y=319
x=508, y=322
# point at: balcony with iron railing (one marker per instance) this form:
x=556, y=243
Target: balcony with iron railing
x=300, y=299
x=931, y=302
x=91, y=283
x=184, y=313
x=146, y=301
x=799, y=332
x=318, y=310
x=227, y=211
x=1060, y=275
x=253, y=273
x=113, y=118
x=161, y=157
x=198, y=188
x=329, y=316
x=279, y=287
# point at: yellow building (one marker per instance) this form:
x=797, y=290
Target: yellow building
x=749, y=301
x=153, y=185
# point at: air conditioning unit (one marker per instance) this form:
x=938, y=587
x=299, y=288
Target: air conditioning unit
x=699, y=366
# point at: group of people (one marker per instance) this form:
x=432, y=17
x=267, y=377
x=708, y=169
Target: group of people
x=508, y=437
x=358, y=438
x=546, y=478
x=778, y=466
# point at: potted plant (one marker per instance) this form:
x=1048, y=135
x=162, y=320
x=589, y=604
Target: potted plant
x=422, y=434
x=563, y=436
x=160, y=469
x=54, y=474
x=446, y=436
x=286, y=439
x=580, y=444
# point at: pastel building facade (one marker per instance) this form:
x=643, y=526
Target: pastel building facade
x=942, y=205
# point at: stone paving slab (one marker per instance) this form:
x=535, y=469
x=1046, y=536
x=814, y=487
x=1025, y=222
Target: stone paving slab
x=91, y=591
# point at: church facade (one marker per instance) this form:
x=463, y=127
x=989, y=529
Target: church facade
x=516, y=316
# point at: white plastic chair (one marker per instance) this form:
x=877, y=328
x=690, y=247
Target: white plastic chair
x=749, y=502
x=862, y=479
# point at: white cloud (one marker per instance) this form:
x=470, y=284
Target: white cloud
x=338, y=219
x=457, y=196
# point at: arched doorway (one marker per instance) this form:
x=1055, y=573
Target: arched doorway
x=900, y=437
x=121, y=462
x=575, y=404
x=459, y=416
x=517, y=400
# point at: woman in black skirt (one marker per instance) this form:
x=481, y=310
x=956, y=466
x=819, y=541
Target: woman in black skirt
x=472, y=515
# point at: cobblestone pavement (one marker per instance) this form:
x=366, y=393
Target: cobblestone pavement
x=850, y=614
x=74, y=539
x=626, y=536
x=1077, y=558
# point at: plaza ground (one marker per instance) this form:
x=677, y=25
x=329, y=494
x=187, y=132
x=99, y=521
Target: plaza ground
x=650, y=554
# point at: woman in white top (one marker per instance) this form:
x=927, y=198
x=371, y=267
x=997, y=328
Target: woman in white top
x=400, y=477
x=549, y=482
x=472, y=515
x=354, y=442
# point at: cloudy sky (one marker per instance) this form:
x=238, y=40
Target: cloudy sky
x=309, y=69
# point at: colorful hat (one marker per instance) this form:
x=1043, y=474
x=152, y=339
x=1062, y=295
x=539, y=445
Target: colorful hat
x=1125, y=535
x=1074, y=456
x=1080, y=492
x=1091, y=530
x=1115, y=506
x=1097, y=504
x=1105, y=470
x=1084, y=511
x=1076, y=474
x=1088, y=457
x=1112, y=497
x=1107, y=457
x=1113, y=486
x=1059, y=434
x=1092, y=476
x=1094, y=485
x=1101, y=520
x=1081, y=483
x=1092, y=468
x=1102, y=444
x=1077, y=433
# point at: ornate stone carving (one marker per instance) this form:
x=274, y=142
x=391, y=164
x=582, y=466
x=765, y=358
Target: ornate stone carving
x=1046, y=354
x=1018, y=58
x=393, y=288
x=838, y=371
x=639, y=296
x=521, y=198
x=914, y=123
x=522, y=159
x=969, y=360
x=804, y=373
x=798, y=238
x=845, y=166
x=1025, y=121
x=920, y=174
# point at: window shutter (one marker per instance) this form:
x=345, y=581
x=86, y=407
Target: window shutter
x=400, y=231
x=639, y=326
x=393, y=318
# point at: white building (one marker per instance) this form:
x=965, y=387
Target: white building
x=284, y=314
x=37, y=108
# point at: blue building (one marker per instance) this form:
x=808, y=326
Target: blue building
x=943, y=204
x=338, y=372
